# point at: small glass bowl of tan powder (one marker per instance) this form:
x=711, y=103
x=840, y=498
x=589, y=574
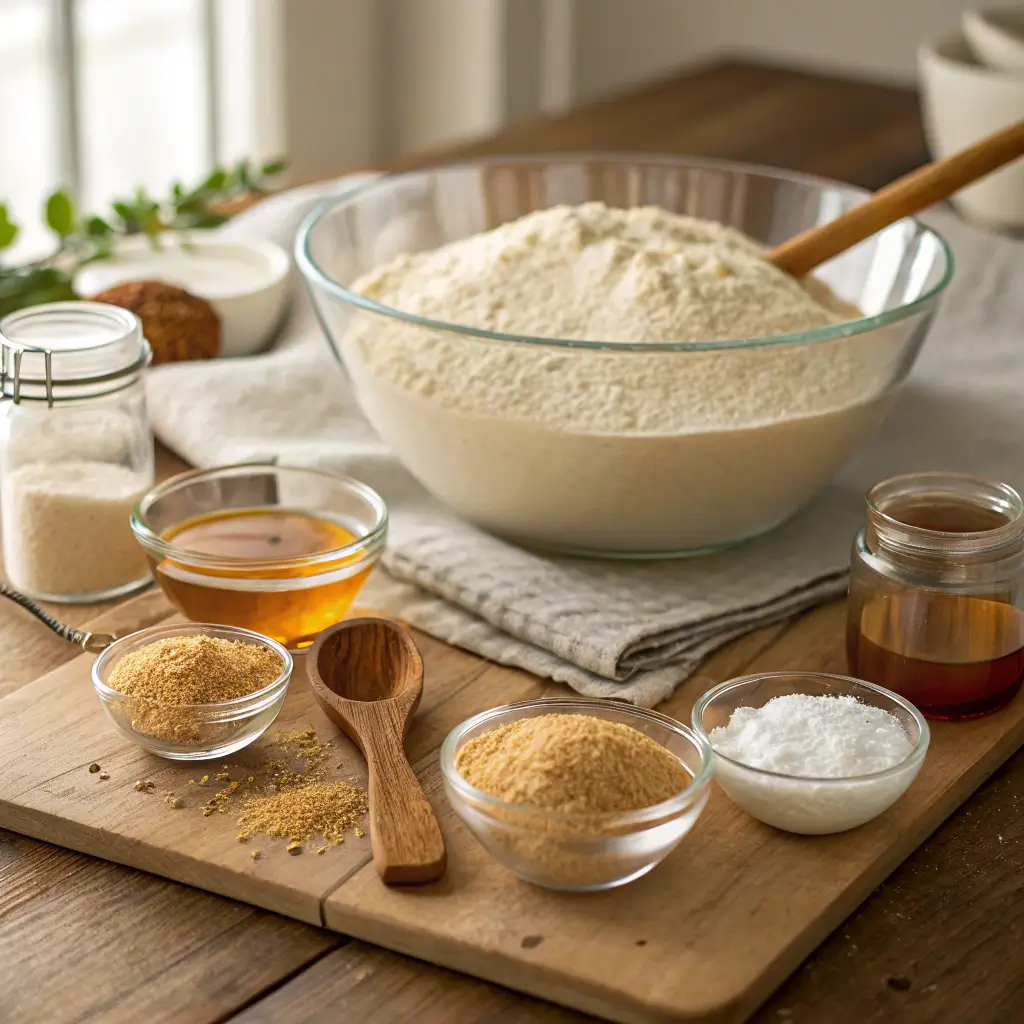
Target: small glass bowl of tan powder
x=575, y=794
x=193, y=690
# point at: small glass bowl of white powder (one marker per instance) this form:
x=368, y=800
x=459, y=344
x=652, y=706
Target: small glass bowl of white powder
x=809, y=752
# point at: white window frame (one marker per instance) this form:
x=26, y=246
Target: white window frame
x=337, y=85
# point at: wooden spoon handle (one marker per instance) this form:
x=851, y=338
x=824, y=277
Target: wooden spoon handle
x=406, y=839
x=905, y=196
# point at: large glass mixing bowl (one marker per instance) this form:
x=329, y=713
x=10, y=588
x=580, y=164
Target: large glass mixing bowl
x=637, y=450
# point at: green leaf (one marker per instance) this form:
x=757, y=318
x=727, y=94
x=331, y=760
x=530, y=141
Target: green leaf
x=8, y=229
x=149, y=220
x=274, y=167
x=60, y=213
x=215, y=181
x=201, y=219
x=97, y=227
x=243, y=175
x=32, y=287
x=191, y=205
x=124, y=210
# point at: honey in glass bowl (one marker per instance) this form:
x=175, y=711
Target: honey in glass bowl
x=279, y=550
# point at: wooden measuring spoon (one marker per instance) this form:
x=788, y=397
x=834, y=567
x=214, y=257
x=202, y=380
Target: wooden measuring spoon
x=905, y=196
x=367, y=675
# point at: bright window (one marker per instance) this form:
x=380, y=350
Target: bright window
x=107, y=95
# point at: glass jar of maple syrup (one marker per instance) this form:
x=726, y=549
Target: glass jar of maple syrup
x=936, y=608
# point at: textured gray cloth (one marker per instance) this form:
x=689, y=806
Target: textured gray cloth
x=609, y=629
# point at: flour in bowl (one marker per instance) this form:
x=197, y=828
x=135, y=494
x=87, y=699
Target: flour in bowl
x=597, y=273
x=611, y=449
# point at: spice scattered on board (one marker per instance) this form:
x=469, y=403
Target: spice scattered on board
x=287, y=796
x=328, y=809
x=167, y=676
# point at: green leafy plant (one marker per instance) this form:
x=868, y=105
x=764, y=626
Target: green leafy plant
x=82, y=238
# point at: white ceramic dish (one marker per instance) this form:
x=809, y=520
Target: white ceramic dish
x=996, y=36
x=797, y=803
x=245, y=282
x=964, y=101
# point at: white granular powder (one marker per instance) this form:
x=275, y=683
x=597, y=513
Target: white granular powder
x=66, y=529
x=828, y=744
x=824, y=737
x=611, y=449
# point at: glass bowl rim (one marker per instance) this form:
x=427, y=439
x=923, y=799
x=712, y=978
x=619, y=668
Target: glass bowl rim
x=163, y=631
x=313, y=273
x=368, y=544
x=656, y=813
x=911, y=760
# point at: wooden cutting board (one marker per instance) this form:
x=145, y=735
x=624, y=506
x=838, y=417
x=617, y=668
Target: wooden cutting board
x=706, y=936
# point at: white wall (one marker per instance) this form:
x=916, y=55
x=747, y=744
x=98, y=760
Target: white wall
x=622, y=42
x=456, y=69
x=368, y=81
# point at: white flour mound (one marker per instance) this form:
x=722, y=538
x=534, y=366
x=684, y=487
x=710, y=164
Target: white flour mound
x=612, y=450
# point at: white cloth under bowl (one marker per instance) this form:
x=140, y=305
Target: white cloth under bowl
x=609, y=629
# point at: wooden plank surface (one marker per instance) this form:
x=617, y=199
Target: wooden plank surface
x=705, y=937
x=937, y=924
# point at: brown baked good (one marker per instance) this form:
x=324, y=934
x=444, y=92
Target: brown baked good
x=177, y=324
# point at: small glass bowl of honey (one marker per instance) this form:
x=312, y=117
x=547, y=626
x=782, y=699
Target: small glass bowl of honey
x=279, y=550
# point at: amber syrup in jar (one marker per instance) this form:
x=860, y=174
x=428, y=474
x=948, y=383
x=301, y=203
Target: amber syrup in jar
x=935, y=594
x=269, y=589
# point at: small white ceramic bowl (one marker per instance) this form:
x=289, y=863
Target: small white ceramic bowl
x=996, y=36
x=801, y=804
x=245, y=282
x=963, y=102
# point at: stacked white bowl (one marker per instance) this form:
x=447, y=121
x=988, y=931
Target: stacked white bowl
x=972, y=84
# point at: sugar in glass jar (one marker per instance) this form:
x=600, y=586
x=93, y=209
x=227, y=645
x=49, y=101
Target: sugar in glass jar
x=936, y=608
x=76, y=450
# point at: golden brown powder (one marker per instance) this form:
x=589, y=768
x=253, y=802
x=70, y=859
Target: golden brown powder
x=327, y=809
x=576, y=764
x=286, y=795
x=589, y=769
x=164, y=678
x=196, y=669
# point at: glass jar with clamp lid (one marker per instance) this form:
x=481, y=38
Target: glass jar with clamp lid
x=76, y=449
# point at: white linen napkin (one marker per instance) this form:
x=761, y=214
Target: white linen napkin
x=608, y=629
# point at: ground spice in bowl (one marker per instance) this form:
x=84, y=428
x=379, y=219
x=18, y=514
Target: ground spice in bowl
x=165, y=679
x=576, y=764
x=569, y=787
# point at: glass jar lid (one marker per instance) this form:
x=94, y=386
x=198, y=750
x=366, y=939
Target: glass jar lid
x=69, y=350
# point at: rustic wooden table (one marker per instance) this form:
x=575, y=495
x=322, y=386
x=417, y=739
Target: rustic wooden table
x=84, y=940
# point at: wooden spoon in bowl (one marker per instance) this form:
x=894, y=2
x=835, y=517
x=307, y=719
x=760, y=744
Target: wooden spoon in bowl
x=905, y=196
x=367, y=675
